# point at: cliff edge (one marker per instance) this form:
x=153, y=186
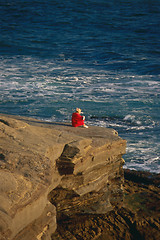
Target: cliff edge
x=54, y=170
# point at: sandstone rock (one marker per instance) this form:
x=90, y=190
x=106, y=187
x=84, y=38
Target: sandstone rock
x=78, y=170
x=138, y=218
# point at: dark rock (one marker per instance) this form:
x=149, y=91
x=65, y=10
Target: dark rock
x=137, y=219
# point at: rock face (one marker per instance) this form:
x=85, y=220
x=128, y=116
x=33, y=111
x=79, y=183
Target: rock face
x=54, y=170
x=137, y=219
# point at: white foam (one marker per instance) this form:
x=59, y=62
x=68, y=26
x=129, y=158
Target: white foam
x=142, y=167
x=63, y=111
x=46, y=82
x=129, y=117
x=136, y=128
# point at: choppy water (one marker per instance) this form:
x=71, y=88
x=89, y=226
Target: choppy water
x=102, y=56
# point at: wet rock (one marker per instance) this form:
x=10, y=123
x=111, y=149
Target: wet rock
x=137, y=218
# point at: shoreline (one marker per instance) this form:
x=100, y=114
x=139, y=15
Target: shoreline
x=144, y=177
x=138, y=217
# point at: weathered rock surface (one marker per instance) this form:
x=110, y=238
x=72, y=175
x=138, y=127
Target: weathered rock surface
x=50, y=171
x=137, y=219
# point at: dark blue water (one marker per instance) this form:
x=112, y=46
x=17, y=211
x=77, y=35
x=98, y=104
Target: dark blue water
x=102, y=56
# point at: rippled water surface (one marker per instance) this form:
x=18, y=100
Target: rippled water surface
x=102, y=56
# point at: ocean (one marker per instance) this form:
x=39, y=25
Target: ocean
x=102, y=56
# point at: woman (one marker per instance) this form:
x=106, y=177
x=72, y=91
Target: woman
x=77, y=119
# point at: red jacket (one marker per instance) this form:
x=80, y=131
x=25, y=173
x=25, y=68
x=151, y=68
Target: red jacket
x=77, y=120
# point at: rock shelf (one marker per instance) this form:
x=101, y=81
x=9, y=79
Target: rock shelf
x=52, y=170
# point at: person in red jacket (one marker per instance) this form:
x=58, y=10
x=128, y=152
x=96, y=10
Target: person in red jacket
x=77, y=119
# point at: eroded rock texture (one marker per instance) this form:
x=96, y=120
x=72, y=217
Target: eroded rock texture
x=137, y=219
x=54, y=170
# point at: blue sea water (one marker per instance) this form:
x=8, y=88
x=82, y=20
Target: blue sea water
x=100, y=55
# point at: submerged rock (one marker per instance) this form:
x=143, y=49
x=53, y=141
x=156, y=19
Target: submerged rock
x=54, y=171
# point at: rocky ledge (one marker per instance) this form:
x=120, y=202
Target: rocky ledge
x=53, y=172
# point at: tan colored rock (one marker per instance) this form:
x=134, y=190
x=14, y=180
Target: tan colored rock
x=79, y=170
